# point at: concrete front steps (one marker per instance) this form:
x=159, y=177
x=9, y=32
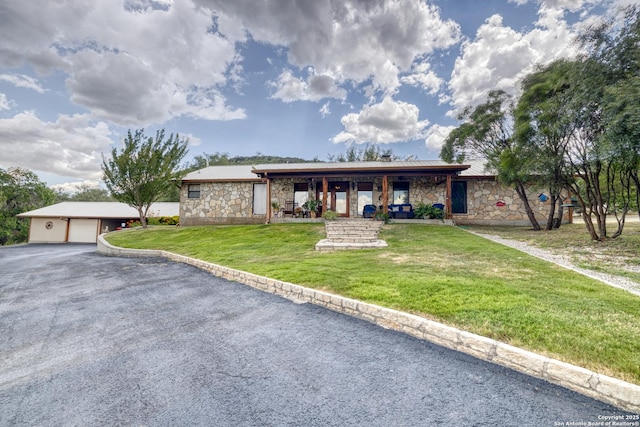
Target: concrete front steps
x=351, y=234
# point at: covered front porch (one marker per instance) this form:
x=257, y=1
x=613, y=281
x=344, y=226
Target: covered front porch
x=347, y=188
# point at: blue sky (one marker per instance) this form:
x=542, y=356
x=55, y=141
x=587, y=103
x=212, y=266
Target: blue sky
x=278, y=77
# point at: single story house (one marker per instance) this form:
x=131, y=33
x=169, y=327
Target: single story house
x=265, y=193
x=81, y=222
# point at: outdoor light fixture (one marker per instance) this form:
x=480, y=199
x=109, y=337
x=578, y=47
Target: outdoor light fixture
x=353, y=185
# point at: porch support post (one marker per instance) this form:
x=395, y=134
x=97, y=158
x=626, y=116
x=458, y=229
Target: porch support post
x=448, y=213
x=385, y=193
x=269, y=212
x=325, y=190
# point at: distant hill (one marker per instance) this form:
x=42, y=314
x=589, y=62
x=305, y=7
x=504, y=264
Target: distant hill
x=218, y=159
x=263, y=159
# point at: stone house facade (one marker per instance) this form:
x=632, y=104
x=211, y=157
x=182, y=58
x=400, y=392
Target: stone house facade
x=264, y=193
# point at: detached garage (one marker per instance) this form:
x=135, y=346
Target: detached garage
x=81, y=222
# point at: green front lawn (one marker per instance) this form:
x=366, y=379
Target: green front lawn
x=439, y=272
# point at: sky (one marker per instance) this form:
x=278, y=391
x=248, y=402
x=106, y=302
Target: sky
x=294, y=78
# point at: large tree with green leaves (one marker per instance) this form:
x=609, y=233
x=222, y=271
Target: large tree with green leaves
x=20, y=191
x=144, y=170
x=616, y=45
x=487, y=133
x=545, y=123
x=605, y=152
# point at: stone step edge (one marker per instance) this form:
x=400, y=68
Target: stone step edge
x=330, y=245
x=601, y=387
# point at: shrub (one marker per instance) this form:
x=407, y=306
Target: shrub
x=164, y=220
x=381, y=216
x=329, y=215
x=421, y=210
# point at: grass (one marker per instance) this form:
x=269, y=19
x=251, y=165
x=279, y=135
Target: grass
x=442, y=273
x=619, y=256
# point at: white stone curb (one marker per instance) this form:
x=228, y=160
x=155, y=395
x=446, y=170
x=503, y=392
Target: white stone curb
x=610, y=390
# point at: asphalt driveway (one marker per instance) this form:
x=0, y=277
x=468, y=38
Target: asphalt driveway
x=94, y=340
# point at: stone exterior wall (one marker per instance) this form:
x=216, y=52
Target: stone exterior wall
x=232, y=202
x=483, y=196
x=219, y=203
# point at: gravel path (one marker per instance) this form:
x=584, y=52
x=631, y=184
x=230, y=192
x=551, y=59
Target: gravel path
x=609, y=279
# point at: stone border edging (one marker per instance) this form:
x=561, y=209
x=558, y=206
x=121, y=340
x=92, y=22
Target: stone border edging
x=610, y=390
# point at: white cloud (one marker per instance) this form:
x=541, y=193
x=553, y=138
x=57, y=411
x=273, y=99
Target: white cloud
x=70, y=146
x=387, y=122
x=423, y=77
x=571, y=5
x=74, y=187
x=325, y=110
x=435, y=137
x=351, y=41
x=22, y=80
x=192, y=140
x=5, y=104
x=289, y=88
x=499, y=57
x=126, y=63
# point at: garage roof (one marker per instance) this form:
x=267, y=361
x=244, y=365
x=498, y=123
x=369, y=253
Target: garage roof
x=100, y=210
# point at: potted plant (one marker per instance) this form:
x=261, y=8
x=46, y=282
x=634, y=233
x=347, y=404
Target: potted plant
x=312, y=206
x=275, y=206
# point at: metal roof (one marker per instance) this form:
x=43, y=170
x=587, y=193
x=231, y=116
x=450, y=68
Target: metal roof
x=100, y=210
x=222, y=173
x=477, y=168
x=253, y=172
x=396, y=168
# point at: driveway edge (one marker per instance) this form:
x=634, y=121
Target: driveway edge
x=606, y=389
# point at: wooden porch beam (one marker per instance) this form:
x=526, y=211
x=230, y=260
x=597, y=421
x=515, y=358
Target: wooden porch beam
x=325, y=190
x=385, y=193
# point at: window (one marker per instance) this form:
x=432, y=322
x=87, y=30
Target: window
x=459, y=197
x=400, y=193
x=300, y=193
x=365, y=195
x=259, y=199
x=194, y=191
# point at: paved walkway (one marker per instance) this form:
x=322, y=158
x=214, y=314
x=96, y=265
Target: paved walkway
x=94, y=340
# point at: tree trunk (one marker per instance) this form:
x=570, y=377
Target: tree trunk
x=552, y=212
x=143, y=217
x=589, y=224
x=557, y=222
x=620, y=226
x=523, y=196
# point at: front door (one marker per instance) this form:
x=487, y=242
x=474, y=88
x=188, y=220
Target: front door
x=337, y=197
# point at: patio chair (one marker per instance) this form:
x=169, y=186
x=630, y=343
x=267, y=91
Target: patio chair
x=289, y=207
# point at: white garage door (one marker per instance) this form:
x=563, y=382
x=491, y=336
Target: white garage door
x=47, y=230
x=83, y=230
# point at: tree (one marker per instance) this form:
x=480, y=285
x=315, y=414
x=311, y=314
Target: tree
x=85, y=193
x=20, y=191
x=487, y=133
x=605, y=154
x=144, y=170
x=370, y=153
x=616, y=45
x=545, y=122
